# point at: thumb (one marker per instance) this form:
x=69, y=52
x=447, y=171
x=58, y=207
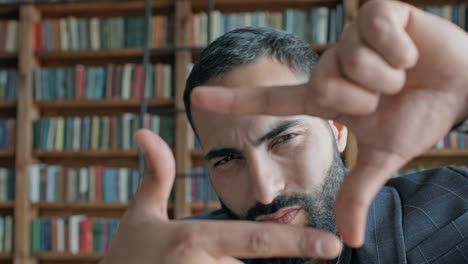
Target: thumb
x=372, y=170
x=158, y=177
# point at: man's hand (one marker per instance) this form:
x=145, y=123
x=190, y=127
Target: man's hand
x=145, y=234
x=397, y=79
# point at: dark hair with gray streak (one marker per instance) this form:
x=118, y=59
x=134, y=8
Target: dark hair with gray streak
x=243, y=46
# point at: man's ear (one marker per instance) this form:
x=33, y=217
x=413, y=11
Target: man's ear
x=341, y=134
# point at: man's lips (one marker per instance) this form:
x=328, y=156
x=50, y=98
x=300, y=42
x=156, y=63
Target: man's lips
x=282, y=216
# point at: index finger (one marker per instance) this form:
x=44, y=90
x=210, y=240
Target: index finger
x=266, y=240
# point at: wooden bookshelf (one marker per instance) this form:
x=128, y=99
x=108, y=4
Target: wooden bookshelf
x=6, y=256
x=26, y=110
x=198, y=207
x=101, y=8
x=100, y=107
x=63, y=257
x=246, y=5
x=6, y=205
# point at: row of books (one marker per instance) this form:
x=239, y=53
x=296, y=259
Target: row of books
x=199, y=188
x=453, y=140
x=6, y=234
x=49, y=183
x=76, y=234
x=458, y=14
x=7, y=133
x=103, y=82
x=97, y=132
x=72, y=34
x=8, y=84
x=318, y=25
x=7, y=184
x=9, y=36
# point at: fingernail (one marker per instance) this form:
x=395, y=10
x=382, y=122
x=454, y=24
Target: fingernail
x=328, y=247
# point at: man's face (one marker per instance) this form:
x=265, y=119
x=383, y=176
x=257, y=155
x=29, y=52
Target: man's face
x=268, y=168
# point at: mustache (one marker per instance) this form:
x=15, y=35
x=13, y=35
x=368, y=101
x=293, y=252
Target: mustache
x=278, y=203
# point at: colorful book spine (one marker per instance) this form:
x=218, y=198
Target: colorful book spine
x=102, y=82
x=6, y=234
x=9, y=36
x=199, y=187
x=453, y=140
x=49, y=183
x=7, y=184
x=319, y=25
x=76, y=234
x=74, y=34
x=87, y=133
x=8, y=84
x=7, y=133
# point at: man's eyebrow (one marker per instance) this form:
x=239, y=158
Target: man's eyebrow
x=278, y=130
x=221, y=152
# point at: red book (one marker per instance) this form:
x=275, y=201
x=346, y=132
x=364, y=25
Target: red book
x=37, y=40
x=114, y=133
x=98, y=194
x=86, y=236
x=138, y=82
x=54, y=234
x=80, y=79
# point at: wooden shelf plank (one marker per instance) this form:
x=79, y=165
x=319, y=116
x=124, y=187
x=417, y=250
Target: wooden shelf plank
x=7, y=205
x=247, y=5
x=7, y=154
x=101, y=57
x=199, y=206
x=101, y=8
x=100, y=107
x=8, y=56
x=81, y=206
x=49, y=256
x=451, y=152
x=6, y=256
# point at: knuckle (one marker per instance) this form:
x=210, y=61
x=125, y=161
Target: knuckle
x=188, y=238
x=260, y=242
x=355, y=62
x=305, y=243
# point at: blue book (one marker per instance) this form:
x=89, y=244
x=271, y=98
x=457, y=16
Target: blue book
x=46, y=243
x=100, y=79
x=3, y=133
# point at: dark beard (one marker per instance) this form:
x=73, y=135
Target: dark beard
x=319, y=207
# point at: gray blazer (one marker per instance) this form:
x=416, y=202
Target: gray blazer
x=416, y=219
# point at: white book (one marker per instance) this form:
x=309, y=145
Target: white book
x=3, y=184
x=322, y=25
x=2, y=233
x=95, y=38
x=11, y=44
x=74, y=233
x=84, y=187
x=92, y=184
x=8, y=245
x=123, y=185
x=156, y=124
x=76, y=134
x=127, y=81
x=64, y=45
x=60, y=235
x=73, y=33
x=34, y=183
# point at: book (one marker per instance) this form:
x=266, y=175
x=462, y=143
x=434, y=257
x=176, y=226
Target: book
x=75, y=34
x=57, y=184
x=97, y=82
x=7, y=184
x=9, y=36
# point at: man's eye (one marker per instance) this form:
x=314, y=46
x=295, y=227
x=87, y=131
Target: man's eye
x=225, y=160
x=284, y=138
